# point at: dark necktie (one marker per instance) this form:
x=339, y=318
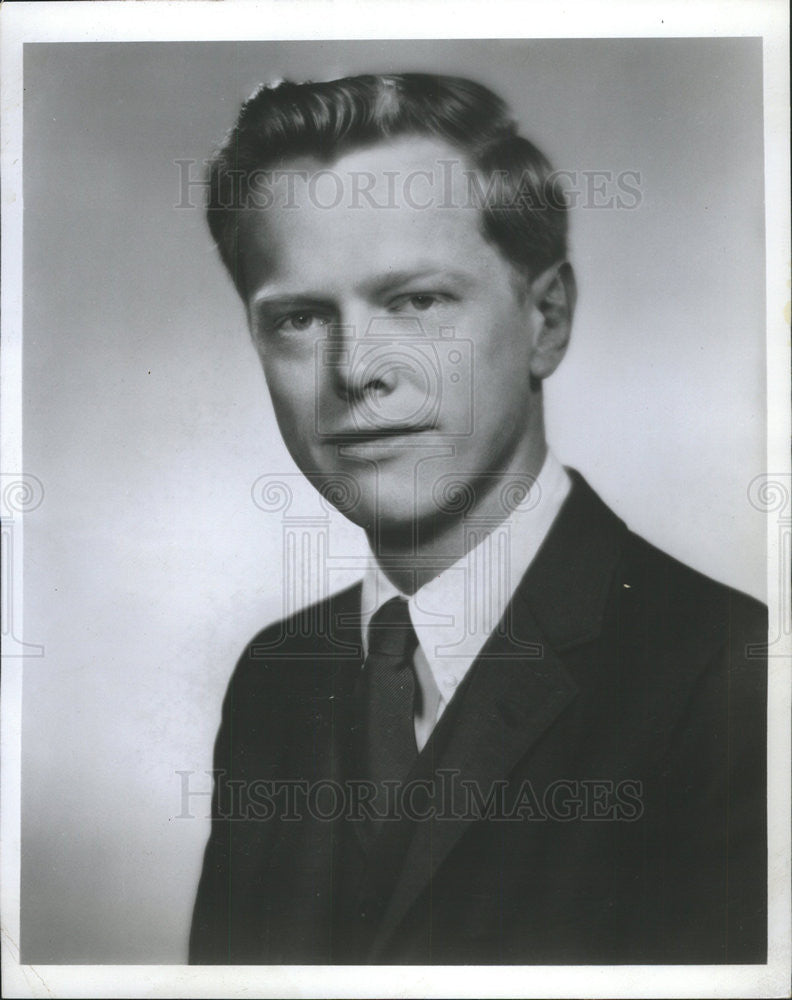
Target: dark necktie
x=387, y=705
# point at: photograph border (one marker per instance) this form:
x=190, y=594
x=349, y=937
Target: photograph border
x=232, y=20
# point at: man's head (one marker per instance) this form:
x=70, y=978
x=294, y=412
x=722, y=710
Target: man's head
x=401, y=254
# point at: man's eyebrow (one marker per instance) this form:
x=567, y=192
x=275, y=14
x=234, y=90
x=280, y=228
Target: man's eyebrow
x=289, y=300
x=393, y=280
x=375, y=287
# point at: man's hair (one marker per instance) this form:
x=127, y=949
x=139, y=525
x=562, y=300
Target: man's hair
x=523, y=208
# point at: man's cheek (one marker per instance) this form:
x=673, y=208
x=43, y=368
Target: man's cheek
x=295, y=418
x=291, y=391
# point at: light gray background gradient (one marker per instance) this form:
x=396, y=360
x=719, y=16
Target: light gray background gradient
x=148, y=566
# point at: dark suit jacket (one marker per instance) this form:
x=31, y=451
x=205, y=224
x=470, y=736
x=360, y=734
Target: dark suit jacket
x=618, y=720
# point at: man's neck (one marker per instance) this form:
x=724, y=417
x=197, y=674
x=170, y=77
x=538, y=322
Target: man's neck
x=412, y=556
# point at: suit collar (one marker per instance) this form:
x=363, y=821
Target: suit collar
x=567, y=586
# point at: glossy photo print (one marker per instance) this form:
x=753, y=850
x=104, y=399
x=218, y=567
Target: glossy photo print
x=402, y=566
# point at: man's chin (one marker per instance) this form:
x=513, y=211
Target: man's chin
x=399, y=527
x=393, y=523
x=398, y=509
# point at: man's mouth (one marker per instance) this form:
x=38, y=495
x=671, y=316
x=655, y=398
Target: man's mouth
x=374, y=434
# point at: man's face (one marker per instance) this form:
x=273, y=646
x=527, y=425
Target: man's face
x=396, y=340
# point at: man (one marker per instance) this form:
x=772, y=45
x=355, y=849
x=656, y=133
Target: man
x=546, y=737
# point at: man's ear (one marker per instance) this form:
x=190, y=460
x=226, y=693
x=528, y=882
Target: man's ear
x=554, y=293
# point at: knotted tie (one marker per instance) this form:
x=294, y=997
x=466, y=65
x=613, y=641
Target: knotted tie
x=387, y=695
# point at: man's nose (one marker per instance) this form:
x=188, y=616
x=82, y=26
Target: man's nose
x=370, y=354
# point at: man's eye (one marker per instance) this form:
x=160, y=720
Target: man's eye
x=302, y=321
x=420, y=302
x=423, y=302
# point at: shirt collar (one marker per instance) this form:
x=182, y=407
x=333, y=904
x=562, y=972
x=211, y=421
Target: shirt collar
x=455, y=613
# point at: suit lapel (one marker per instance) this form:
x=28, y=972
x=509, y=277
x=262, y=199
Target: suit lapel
x=516, y=689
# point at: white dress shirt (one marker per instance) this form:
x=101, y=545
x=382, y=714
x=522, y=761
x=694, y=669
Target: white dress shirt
x=455, y=613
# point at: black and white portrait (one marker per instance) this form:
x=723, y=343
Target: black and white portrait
x=398, y=516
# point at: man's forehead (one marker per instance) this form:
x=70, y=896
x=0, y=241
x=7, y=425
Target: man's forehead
x=400, y=161
x=381, y=206
x=411, y=174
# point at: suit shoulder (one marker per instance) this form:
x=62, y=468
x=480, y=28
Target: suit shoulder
x=307, y=623
x=311, y=633
x=684, y=601
x=657, y=592
x=692, y=652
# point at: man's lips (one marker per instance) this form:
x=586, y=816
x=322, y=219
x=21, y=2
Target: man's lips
x=360, y=436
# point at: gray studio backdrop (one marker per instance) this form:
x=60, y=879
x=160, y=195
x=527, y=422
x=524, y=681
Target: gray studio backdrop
x=150, y=561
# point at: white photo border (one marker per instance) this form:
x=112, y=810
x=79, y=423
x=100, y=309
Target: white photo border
x=185, y=20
